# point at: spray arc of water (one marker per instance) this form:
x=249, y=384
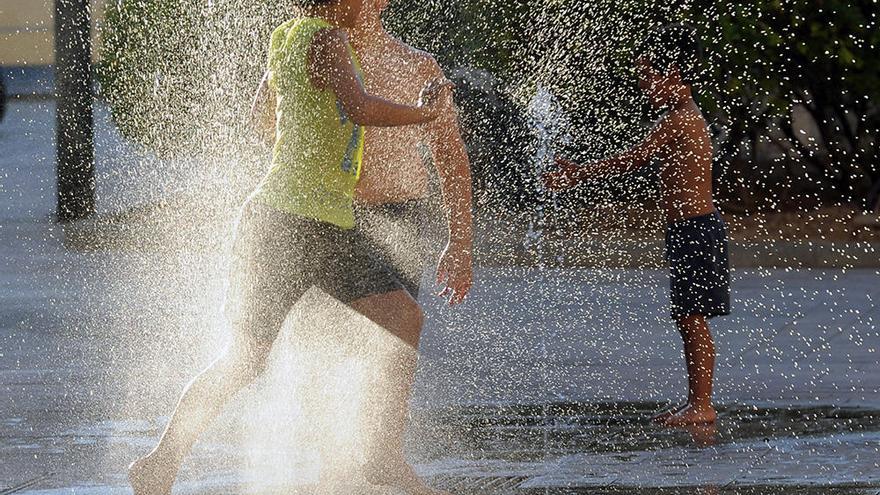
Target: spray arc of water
x=550, y=124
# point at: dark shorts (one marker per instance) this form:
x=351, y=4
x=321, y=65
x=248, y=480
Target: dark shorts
x=278, y=256
x=699, y=269
x=398, y=238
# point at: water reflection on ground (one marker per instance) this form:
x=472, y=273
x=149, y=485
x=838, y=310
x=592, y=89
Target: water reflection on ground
x=564, y=448
x=612, y=447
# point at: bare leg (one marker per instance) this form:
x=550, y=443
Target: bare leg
x=201, y=402
x=699, y=350
x=398, y=313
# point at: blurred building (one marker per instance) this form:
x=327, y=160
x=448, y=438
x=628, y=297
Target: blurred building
x=27, y=31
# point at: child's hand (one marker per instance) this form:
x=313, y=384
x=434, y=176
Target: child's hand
x=455, y=272
x=430, y=94
x=565, y=177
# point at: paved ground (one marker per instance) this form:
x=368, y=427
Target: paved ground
x=541, y=381
x=540, y=384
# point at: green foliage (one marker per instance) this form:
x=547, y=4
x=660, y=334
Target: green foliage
x=180, y=74
x=821, y=56
x=177, y=71
x=145, y=76
x=482, y=34
x=579, y=52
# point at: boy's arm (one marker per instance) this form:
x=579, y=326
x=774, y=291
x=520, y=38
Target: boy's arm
x=455, y=269
x=331, y=67
x=263, y=112
x=570, y=174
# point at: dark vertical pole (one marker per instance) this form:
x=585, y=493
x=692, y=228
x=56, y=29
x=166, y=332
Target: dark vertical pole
x=75, y=126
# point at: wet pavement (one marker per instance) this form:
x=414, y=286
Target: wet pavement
x=509, y=399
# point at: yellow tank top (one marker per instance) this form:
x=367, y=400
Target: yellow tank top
x=316, y=161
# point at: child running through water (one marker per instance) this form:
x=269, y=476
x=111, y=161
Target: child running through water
x=696, y=238
x=296, y=230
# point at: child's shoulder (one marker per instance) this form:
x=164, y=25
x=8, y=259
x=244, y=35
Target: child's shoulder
x=685, y=117
x=309, y=27
x=425, y=62
x=302, y=35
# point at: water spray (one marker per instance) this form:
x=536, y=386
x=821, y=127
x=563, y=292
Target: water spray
x=549, y=123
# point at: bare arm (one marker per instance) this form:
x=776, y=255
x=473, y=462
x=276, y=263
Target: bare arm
x=570, y=174
x=331, y=67
x=263, y=112
x=453, y=167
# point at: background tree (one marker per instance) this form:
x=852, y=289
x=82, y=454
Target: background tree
x=773, y=60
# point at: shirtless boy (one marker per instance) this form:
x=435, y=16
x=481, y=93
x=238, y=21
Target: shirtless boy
x=297, y=228
x=696, y=238
x=392, y=212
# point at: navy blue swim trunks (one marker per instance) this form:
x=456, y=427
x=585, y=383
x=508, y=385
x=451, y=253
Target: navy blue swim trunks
x=699, y=267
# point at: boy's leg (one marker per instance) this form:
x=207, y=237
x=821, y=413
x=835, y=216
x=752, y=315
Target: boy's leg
x=398, y=313
x=699, y=351
x=697, y=251
x=201, y=402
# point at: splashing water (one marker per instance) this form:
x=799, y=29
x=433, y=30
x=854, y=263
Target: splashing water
x=549, y=122
x=564, y=335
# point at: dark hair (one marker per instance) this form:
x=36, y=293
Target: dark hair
x=674, y=45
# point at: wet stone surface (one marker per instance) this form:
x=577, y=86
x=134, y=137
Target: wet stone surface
x=574, y=448
x=594, y=446
x=87, y=386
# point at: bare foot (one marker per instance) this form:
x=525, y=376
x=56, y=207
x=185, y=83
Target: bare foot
x=400, y=475
x=148, y=477
x=692, y=414
x=665, y=414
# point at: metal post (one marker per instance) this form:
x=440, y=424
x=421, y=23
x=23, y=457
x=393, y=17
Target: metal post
x=75, y=167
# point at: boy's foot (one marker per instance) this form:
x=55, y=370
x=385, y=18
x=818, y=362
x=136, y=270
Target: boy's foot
x=148, y=477
x=399, y=475
x=667, y=413
x=692, y=414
